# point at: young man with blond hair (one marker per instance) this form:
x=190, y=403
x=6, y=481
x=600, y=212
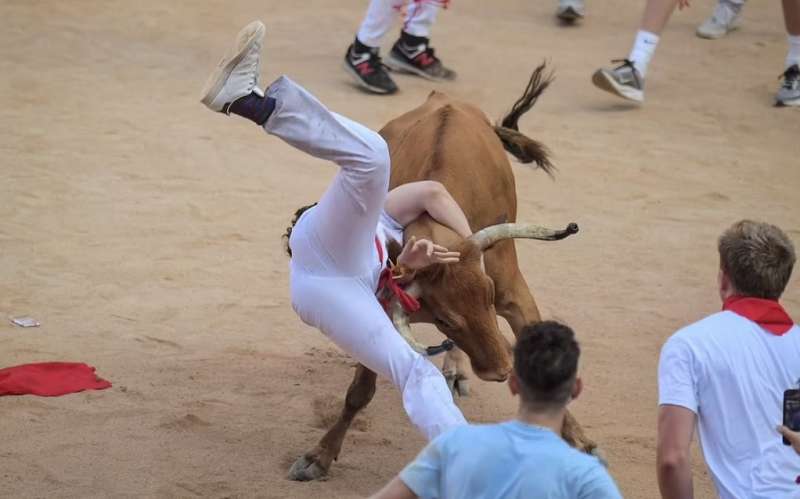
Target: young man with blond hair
x=726, y=374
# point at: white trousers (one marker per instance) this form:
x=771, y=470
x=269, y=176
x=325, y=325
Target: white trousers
x=335, y=266
x=420, y=16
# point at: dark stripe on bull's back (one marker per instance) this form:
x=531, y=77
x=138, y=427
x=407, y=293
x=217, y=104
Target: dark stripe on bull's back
x=443, y=115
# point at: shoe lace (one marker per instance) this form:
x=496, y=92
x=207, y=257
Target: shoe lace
x=627, y=63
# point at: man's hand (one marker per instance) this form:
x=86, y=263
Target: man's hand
x=792, y=436
x=417, y=255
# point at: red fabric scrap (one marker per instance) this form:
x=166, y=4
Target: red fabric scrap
x=769, y=314
x=50, y=379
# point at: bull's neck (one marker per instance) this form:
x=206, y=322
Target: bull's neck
x=426, y=227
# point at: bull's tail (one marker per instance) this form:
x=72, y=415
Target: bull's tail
x=521, y=146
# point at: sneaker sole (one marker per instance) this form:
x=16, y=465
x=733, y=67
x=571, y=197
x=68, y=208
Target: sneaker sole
x=361, y=83
x=569, y=14
x=219, y=77
x=788, y=103
x=404, y=67
x=714, y=36
x=605, y=82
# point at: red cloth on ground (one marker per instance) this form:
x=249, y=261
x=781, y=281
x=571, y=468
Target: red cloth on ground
x=768, y=314
x=49, y=379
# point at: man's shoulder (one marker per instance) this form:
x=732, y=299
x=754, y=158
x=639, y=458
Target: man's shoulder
x=707, y=327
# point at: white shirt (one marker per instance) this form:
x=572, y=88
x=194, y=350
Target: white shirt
x=732, y=374
x=388, y=229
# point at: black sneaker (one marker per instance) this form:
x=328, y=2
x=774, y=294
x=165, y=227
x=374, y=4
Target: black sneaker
x=368, y=70
x=412, y=54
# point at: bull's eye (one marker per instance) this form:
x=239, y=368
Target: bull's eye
x=441, y=323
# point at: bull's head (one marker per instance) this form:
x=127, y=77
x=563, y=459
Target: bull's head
x=459, y=299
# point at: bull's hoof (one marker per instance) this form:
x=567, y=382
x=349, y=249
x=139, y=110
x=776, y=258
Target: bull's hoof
x=306, y=469
x=458, y=385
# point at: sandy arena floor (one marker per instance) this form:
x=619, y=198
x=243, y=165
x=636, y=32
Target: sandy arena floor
x=144, y=231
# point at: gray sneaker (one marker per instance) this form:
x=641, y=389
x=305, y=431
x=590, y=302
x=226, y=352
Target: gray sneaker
x=570, y=10
x=789, y=93
x=724, y=20
x=624, y=81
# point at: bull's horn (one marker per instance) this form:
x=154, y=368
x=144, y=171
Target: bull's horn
x=485, y=238
x=401, y=322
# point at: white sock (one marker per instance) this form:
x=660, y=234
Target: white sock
x=643, y=49
x=793, y=56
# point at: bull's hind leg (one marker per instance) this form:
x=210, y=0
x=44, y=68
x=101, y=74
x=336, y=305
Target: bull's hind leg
x=514, y=302
x=315, y=464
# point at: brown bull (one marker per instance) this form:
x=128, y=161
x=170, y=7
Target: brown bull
x=453, y=142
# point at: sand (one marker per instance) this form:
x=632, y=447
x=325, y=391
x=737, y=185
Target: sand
x=144, y=231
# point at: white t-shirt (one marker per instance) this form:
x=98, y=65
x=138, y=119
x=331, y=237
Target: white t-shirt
x=732, y=374
x=388, y=229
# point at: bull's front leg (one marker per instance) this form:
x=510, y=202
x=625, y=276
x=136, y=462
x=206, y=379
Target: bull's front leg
x=574, y=435
x=454, y=369
x=314, y=465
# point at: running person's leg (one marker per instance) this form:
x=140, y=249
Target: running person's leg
x=723, y=20
x=362, y=60
x=627, y=80
x=420, y=17
x=412, y=53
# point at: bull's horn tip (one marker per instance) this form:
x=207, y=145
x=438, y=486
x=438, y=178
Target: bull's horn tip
x=572, y=228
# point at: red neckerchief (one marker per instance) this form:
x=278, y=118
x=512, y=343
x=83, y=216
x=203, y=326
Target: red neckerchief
x=387, y=282
x=769, y=314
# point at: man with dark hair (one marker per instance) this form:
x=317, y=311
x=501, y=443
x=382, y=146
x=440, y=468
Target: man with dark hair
x=727, y=374
x=521, y=458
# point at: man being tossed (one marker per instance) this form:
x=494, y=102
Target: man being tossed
x=727, y=374
x=521, y=458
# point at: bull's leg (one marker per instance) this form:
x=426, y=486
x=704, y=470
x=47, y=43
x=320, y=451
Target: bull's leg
x=454, y=368
x=513, y=299
x=315, y=464
x=514, y=302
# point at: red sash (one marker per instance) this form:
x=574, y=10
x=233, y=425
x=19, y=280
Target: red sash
x=387, y=282
x=769, y=314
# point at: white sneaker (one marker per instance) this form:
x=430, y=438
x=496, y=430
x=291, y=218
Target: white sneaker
x=570, y=10
x=236, y=75
x=724, y=20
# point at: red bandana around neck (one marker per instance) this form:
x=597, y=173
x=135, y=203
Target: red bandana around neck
x=769, y=314
x=387, y=282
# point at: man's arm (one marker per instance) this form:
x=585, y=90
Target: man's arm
x=395, y=489
x=675, y=430
x=409, y=201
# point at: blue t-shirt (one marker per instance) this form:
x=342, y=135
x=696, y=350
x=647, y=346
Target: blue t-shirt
x=510, y=459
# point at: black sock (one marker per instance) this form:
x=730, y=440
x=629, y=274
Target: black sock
x=360, y=48
x=412, y=41
x=253, y=107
